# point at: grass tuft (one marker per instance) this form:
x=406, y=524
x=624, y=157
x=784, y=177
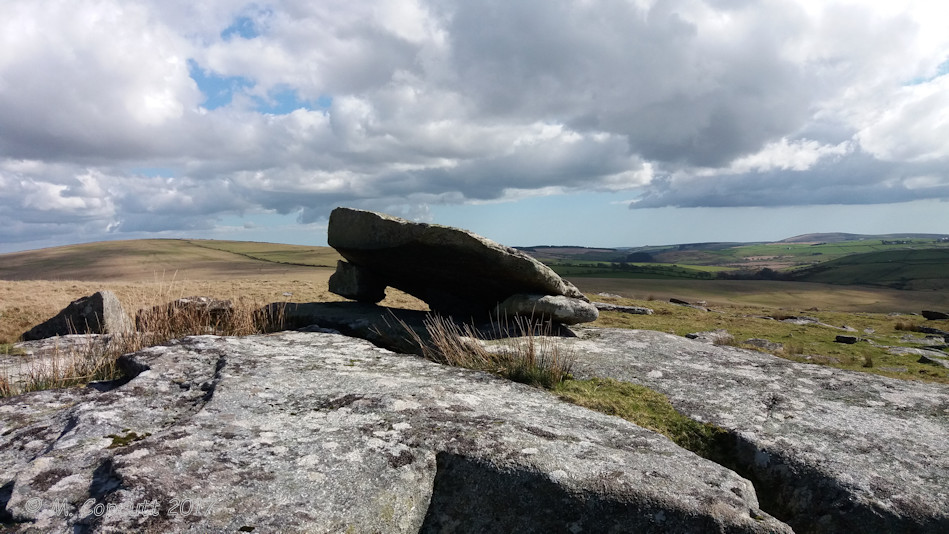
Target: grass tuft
x=905, y=325
x=532, y=356
x=8, y=349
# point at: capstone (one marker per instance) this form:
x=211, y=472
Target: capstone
x=456, y=272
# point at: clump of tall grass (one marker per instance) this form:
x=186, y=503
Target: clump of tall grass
x=525, y=351
x=792, y=349
x=725, y=340
x=93, y=359
x=76, y=361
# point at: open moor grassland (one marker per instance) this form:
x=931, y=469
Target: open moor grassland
x=35, y=285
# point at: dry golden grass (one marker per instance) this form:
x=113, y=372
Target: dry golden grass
x=522, y=349
x=35, y=285
x=140, y=260
x=24, y=304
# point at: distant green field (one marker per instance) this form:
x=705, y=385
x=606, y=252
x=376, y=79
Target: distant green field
x=900, y=262
x=633, y=270
x=829, y=250
x=788, y=252
x=899, y=269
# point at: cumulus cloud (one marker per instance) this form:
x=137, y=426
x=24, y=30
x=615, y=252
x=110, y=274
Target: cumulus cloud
x=124, y=117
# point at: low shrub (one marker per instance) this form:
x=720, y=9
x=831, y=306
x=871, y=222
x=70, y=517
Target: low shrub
x=905, y=325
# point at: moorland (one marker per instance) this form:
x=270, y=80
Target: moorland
x=872, y=287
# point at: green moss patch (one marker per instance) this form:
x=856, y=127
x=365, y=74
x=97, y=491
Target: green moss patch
x=7, y=349
x=129, y=438
x=648, y=409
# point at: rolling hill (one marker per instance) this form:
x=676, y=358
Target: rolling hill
x=144, y=259
x=899, y=269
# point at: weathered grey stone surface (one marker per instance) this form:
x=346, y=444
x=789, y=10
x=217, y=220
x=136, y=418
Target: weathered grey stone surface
x=561, y=309
x=455, y=271
x=635, y=310
x=307, y=432
x=688, y=304
x=828, y=450
x=714, y=337
x=934, y=331
x=99, y=313
x=935, y=359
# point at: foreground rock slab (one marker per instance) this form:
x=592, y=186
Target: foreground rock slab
x=828, y=450
x=454, y=271
x=319, y=432
x=99, y=313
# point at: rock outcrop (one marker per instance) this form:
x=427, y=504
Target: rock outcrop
x=454, y=271
x=713, y=337
x=634, y=310
x=828, y=450
x=322, y=433
x=99, y=313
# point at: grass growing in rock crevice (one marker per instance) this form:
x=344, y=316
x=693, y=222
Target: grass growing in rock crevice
x=648, y=409
x=533, y=356
x=8, y=349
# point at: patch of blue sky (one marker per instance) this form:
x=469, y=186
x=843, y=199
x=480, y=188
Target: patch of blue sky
x=602, y=219
x=218, y=90
x=285, y=100
x=244, y=27
x=153, y=172
x=941, y=70
x=269, y=227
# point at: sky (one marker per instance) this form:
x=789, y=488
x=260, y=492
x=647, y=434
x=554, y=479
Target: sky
x=531, y=122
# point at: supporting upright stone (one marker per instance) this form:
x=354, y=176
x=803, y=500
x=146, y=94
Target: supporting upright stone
x=356, y=283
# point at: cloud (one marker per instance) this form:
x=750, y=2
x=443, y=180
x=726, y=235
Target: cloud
x=914, y=126
x=855, y=179
x=293, y=107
